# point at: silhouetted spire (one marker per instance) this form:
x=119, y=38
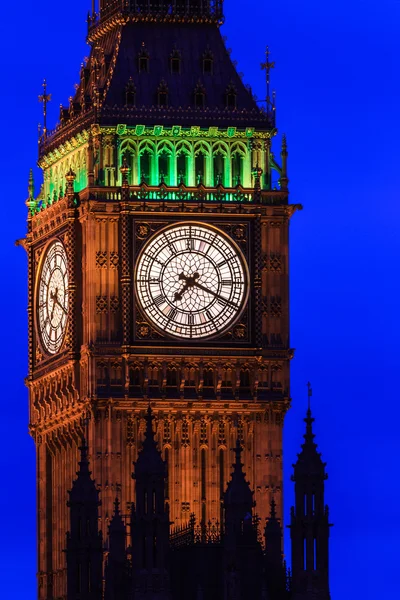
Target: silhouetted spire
x=242, y=552
x=274, y=566
x=150, y=521
x=238, y=492
x=149, y=459
x=84, y=540
x=309, y=526
x=116, y=572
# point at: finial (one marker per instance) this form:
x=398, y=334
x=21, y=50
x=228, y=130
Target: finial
x=30, y=201
x=31, y=189
x=309, y=394
x=44, y=99
x=267, y=66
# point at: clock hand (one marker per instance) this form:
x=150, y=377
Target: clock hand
x=202, y=287
x=189, y=282
x=53, y=296
x=61, y=306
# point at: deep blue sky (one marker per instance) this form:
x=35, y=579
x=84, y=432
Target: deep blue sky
x=338, y=87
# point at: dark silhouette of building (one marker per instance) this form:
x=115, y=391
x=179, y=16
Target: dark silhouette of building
x=225, y=561
x=158, y=272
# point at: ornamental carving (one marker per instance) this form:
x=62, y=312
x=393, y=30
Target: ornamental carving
x=275, y=262
x=101, y=259
x=101, y=304
x=114, y=304
x=142, y=230
x=114, y=260
x=239, y=332
x=276, y=306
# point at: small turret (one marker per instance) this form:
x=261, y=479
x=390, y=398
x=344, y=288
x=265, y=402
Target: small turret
x=150, y=521
x=84, y=540
x=116, y=572
x=274, y=566
x=309, y=528
x=242, y=551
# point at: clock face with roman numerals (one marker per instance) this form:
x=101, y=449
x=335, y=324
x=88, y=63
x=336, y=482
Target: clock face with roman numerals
x=52, y=297
x=191, y=281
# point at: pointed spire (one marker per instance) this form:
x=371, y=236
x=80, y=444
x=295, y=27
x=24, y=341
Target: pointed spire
x=283, y=180
x=149, y=459
x=272, y=527
x=84, y=488
x=116, y=524
x=30, y=202
x=238, y=491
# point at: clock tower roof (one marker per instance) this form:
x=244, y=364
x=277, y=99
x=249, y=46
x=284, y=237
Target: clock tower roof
x=172, y=70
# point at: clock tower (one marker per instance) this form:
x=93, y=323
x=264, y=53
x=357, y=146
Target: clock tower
x=158, y=274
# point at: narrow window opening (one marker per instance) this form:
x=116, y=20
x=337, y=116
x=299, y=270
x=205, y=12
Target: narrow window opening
x=304, y=554
x=199, y=99
x=154, y=501
x=145, y=166
x=175, y=65
x=208, y=378
x=162, y=99
x=236, y=168
x=143, y=64
x=313, y=504
x=163, y=168
x=182, y=169
x=145, y=502
x=218, y=169
x=231, y=100
x=130, y=93
x=208, y=65
x=200, y=166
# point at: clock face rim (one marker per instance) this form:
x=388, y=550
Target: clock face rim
x=39, y=336
x=246, y=283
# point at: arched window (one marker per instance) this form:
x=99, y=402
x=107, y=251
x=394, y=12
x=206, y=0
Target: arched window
x=237, y=169
x=199, y=96
x=164, y=170
x=145, y=166
x=200, y=166
x=175, y=62
x=181, y=165
x=208, y=62
x=143, y=60
x=218, y=169
x=230, y=97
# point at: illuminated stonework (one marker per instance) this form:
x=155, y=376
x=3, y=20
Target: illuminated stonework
x=135, y=155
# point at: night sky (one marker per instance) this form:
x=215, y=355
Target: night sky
x=337, y=84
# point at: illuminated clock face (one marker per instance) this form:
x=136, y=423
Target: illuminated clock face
x=52, y=298
x=191, y=281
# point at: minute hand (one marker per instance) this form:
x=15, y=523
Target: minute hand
x=202, y=287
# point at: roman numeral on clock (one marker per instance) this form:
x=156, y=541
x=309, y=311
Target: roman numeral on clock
x=159, y=300
x=172, y=314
